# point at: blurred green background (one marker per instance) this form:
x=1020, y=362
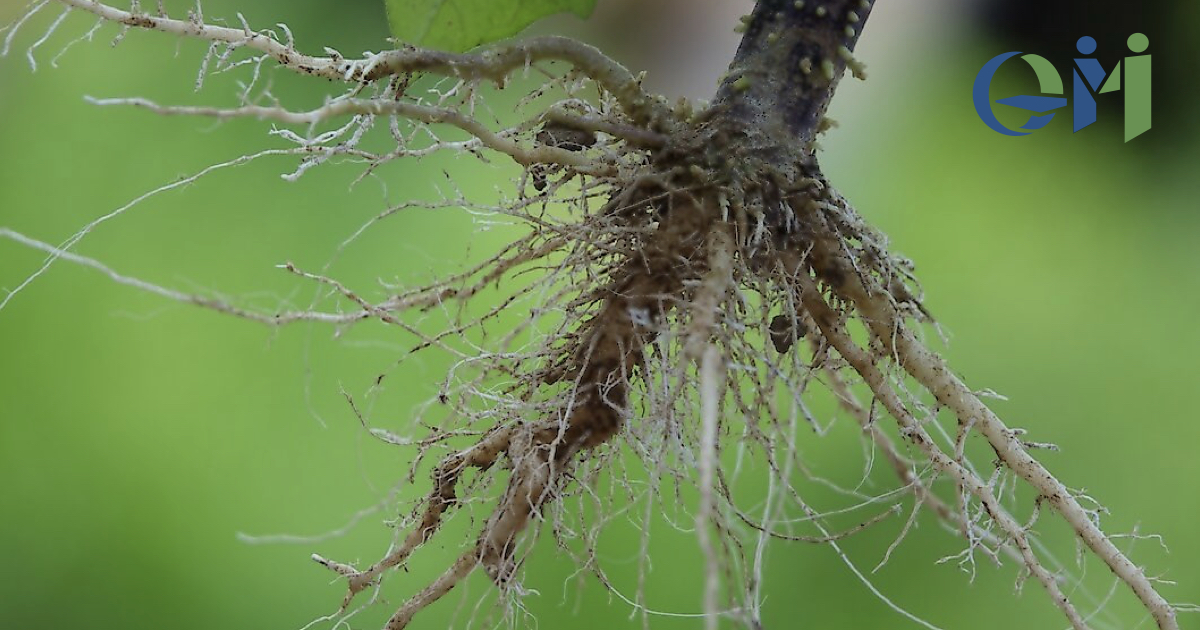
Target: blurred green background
x=137, y=437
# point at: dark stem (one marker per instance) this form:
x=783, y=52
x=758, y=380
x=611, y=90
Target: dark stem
x=786, y=70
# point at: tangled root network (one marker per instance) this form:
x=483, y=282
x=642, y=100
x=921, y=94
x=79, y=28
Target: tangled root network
x=692, y=280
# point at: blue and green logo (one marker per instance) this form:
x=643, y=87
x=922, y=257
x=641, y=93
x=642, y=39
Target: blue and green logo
x=1090, y=80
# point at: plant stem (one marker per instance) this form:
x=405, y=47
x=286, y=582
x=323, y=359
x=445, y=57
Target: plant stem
x=788, y=66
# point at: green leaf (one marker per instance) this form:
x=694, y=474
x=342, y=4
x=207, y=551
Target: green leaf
x=459, y=25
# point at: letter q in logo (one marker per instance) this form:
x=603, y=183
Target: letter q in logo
x=1048, y=77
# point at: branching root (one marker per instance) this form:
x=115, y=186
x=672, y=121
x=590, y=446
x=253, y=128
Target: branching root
x=687, y=282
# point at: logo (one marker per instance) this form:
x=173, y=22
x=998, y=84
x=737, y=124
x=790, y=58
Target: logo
x=1089, y=80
